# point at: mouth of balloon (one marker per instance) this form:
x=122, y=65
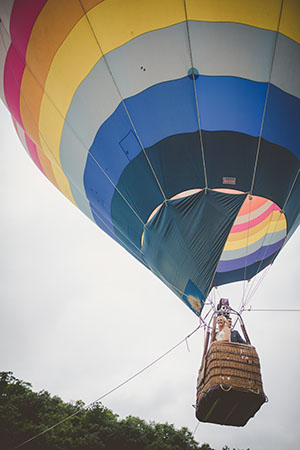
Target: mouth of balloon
x=257, y=234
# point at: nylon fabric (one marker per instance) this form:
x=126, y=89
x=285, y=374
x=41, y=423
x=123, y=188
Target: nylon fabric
x=185, y=239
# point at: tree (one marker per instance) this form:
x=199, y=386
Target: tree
x=24, y=414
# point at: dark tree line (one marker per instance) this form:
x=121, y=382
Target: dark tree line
x=24, y=414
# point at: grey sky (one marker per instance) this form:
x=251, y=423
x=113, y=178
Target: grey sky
x=79, y=316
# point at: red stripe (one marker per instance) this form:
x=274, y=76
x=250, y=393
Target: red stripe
x=23, y=17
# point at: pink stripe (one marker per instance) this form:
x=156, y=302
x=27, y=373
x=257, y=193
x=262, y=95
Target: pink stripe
x=23, y=16
x=13, y=73
x=247, y=225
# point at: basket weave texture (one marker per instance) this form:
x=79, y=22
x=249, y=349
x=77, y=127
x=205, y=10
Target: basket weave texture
x=230, y=365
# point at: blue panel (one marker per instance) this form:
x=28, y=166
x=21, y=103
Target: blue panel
x=164, y=110
x=226, y=103
x=169, y=109
x=98, y=188
x=166, y=113
x=281, y=124
x=260, y=255
x=130, y=145
x=242, y=274
x=233, y=104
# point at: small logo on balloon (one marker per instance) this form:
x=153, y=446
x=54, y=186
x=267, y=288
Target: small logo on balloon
x=229, y=180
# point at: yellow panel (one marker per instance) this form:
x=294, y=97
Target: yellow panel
x=46, y=165
x=52, y=26
x=61, y=182
x=70, y=66
x=257, y=13
x=116, y=22
x=290, y=19
x=33, y=128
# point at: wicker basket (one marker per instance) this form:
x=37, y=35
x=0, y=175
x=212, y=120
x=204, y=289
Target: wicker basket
x=229, y=387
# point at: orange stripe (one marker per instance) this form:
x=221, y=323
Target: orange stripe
x=51, y=28
x=251, y=205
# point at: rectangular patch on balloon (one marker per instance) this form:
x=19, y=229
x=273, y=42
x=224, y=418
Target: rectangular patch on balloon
x=229, y=180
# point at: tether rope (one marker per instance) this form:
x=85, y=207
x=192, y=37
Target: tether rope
x=270, y=310
x=112, y=390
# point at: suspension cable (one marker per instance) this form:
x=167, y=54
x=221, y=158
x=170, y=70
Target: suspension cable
x=266, y=101
x=123, y=102
x=196, y=97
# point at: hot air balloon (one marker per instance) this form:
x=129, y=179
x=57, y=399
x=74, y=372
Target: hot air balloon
x=173, y=125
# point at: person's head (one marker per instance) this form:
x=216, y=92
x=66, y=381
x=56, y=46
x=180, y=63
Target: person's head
x=229, y=320
x=221, y=321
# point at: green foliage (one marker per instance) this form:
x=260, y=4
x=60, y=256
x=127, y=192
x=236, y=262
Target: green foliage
x=227, y=448
x=24, y=414
x=206, y=447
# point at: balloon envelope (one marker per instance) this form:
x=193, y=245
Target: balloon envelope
x=173, y=125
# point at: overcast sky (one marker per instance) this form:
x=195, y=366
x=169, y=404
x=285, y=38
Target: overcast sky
x=79, y=316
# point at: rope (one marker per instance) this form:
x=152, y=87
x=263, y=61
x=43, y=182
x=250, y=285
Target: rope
x=225, y=389
x=271, y=310
x=253, y=287
x=112, y=390
x=266, y=101
x=245, y=267
x=290, y=191
x=196, y=428
x=196, y=98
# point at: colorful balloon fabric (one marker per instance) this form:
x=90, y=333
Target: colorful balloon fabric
x=172, y=124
